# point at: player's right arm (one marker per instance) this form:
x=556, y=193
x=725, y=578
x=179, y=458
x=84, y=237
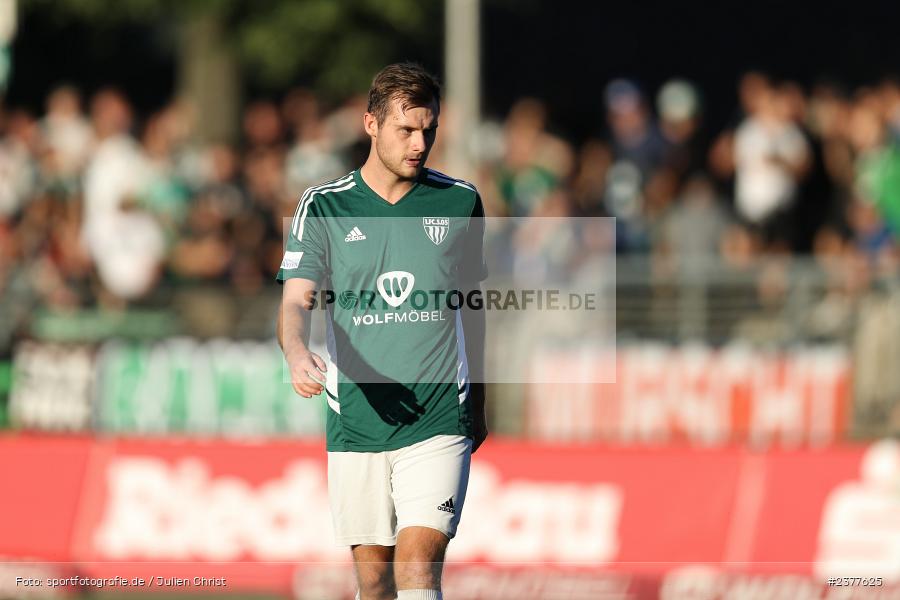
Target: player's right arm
x=307, y=368
x=305, y=263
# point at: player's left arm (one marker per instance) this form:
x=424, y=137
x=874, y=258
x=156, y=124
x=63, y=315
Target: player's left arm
x=472, y=272
x=473, y=322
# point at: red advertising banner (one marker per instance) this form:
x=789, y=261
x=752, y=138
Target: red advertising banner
x=42, y=480
x=696, y=394
x=540, y=521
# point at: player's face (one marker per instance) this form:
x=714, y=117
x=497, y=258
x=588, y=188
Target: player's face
x=405, y=138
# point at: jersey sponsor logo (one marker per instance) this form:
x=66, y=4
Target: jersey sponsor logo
x=395, y=286
x=355, y=235
x=291, y=260
x=436, y=228
x=447, y=506
x=412, y=316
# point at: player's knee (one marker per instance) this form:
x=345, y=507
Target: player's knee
x=375, y=577
x=376, y=582
x=418, y=570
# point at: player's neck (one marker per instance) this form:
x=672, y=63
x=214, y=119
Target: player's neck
x=383, y=181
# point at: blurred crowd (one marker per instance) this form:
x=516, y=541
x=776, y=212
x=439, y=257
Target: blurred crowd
x=102, y=206
x=793, y=172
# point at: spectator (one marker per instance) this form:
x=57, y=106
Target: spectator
x=125, y=242
x=262, y=126
x=589, y=181
x=534, y=162
x=67, y=136
x=18, y=171
x=313, y=157
x=678, y=103
x=878, y=165
x=635, y=138
x=638, y=150
x=694, y=228
x=771, y=157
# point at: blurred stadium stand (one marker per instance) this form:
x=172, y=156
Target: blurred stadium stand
x=123, y=226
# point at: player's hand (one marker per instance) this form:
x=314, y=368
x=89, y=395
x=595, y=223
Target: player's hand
x=479, y=432
x=307, y=373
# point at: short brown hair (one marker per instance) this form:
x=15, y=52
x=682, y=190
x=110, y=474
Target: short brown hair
x=408, y=82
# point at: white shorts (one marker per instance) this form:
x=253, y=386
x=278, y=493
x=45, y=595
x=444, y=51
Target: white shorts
x=373, y=495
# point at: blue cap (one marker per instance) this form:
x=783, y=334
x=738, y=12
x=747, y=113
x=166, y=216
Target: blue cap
x=622, y=94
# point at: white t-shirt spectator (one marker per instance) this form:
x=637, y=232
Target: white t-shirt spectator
x=71, y=138
x=127, y=245
x=764, y=154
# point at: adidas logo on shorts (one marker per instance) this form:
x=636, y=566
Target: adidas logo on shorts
x=355, y=235
x=447, y=506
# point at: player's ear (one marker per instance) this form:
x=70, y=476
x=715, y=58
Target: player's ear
x=370, y=122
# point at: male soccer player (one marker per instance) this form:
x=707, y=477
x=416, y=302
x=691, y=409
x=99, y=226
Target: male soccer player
x=398, y=246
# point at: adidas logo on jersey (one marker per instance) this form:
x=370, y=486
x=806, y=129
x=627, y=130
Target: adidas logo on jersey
x=447, y=506
x=355, y=235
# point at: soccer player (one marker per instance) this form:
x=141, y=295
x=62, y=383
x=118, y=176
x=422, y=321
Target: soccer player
x=399, y=246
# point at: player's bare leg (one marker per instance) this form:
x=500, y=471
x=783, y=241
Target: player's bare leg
x=374, y=572
x=419, y=559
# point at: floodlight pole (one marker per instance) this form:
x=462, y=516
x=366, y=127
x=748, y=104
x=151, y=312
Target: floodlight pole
x=462, y=66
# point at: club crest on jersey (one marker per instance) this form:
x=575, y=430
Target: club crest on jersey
x=436, y=228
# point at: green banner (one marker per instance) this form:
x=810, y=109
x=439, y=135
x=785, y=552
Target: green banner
x=94, y=325
x=216, y=387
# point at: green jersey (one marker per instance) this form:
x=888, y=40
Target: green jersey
x=391, y=279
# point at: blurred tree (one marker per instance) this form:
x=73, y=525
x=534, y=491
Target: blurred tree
x=334, y=45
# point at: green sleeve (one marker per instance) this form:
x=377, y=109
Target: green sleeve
x=306, y=250
x=472, y=267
